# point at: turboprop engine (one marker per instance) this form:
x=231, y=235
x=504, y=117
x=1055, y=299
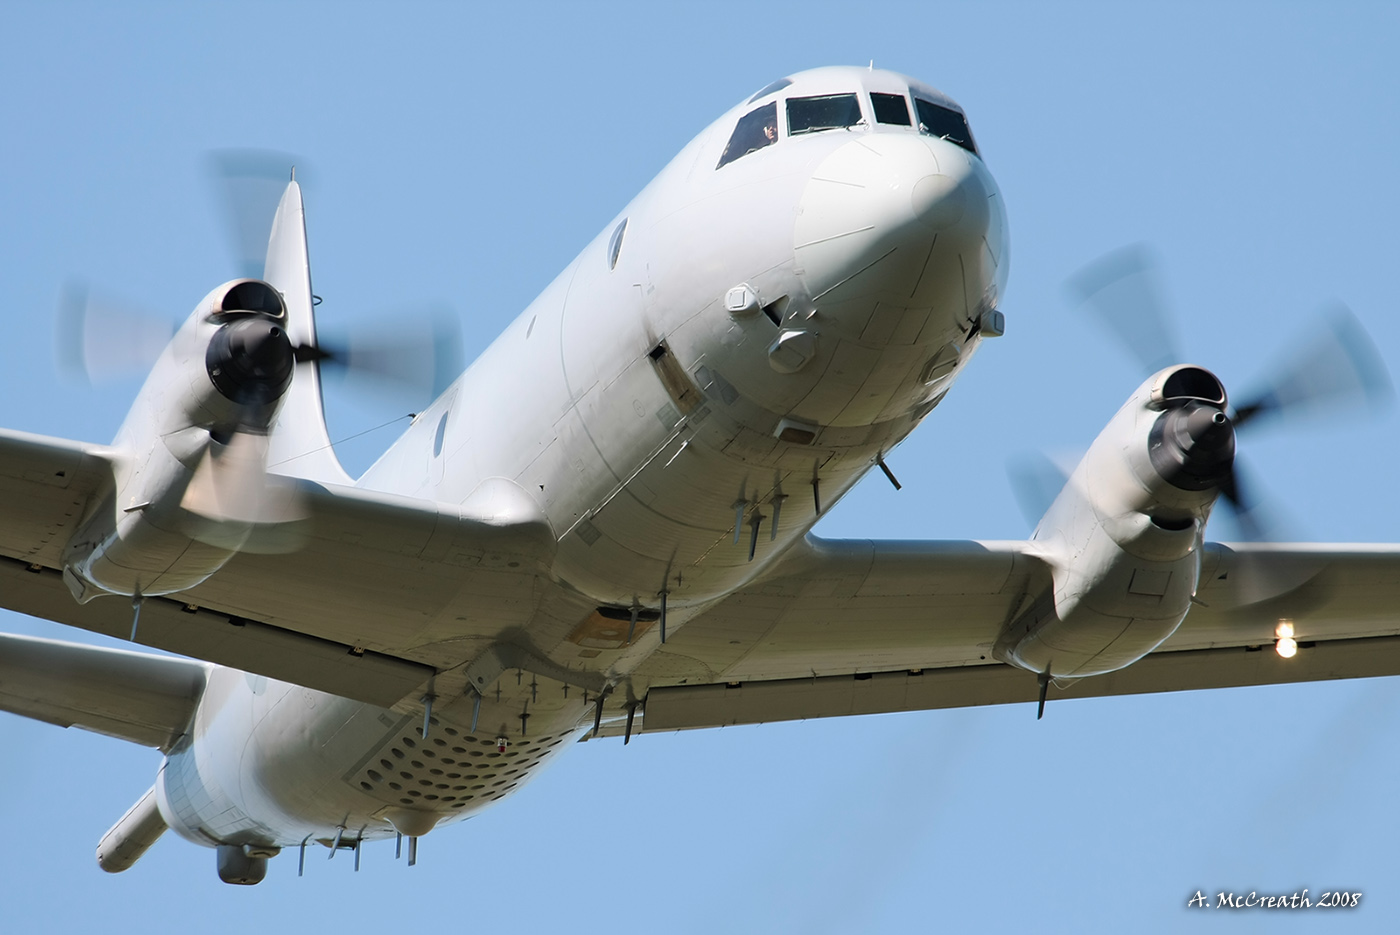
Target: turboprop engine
x=191, y=487
x=1123, y=537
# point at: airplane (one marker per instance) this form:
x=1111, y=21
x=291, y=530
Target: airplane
x=603, y=526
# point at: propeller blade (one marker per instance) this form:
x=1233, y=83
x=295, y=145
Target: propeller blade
x=1334, y=368
x=420, y=354
x=1250, y=517
x=97, y=339
x=1036, y=481
x=248, y=183
x=1123, y=291
x=231, y=493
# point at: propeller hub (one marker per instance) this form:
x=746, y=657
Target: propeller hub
x=1192, y=446
x=250, y=360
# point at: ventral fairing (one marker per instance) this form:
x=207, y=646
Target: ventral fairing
x=602, y=527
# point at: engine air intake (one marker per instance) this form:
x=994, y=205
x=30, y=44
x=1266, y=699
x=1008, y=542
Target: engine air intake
x=1185, y=383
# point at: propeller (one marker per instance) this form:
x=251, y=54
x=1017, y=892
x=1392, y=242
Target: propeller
x=1334, y=368
x=415, y=351
x=248, y=184
x=97, y=339
x=250, y=360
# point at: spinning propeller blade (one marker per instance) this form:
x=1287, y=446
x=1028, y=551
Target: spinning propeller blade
x=247, y=184
x=1333, y=370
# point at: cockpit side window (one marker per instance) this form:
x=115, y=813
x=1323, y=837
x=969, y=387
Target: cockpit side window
x=755, y=130
x=936, y=120
x=890, y=108
x=828, y=112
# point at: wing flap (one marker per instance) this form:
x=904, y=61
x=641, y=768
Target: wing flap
x=685, y=707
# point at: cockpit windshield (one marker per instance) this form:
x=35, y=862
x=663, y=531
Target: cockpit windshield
x=755, y=130
x=937, y=120
x=890, y=108
x=828, y=112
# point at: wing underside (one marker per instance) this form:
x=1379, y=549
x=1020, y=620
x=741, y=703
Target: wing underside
x=855, y=627
x=135, y=696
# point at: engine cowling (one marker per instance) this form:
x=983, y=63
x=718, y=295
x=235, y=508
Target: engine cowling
x=1123, y=538
x=207, y=405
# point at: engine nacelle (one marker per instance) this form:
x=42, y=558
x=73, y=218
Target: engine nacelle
x=218, y=383
x=1123, y=537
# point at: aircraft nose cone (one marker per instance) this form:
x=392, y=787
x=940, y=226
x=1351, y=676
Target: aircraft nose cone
x=942, y=201
x=889, y=192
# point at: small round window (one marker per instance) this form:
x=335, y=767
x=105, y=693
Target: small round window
x=615, y=243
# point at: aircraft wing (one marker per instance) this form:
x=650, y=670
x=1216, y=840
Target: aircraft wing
x=358, y=610
x=139, y=697
x=860, y=627
x=45, y=485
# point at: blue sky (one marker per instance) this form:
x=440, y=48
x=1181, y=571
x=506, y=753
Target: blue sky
x=462, y=155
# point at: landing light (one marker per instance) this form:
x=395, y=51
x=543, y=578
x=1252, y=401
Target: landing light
x=1287, y=647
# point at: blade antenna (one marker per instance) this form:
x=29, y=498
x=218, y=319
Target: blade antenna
x=1044, y=680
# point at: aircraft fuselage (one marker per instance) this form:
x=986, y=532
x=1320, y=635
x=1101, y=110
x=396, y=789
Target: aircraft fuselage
x=737, y=348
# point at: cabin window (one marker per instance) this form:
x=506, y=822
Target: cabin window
x=755, y=130
x=614, y=246
x=828, y=112
x=940, y=121
x=890, y=108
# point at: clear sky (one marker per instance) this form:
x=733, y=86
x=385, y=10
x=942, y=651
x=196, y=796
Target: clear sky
x=462, y=154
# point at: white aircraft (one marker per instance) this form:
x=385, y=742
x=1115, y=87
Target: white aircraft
x=602, y=526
